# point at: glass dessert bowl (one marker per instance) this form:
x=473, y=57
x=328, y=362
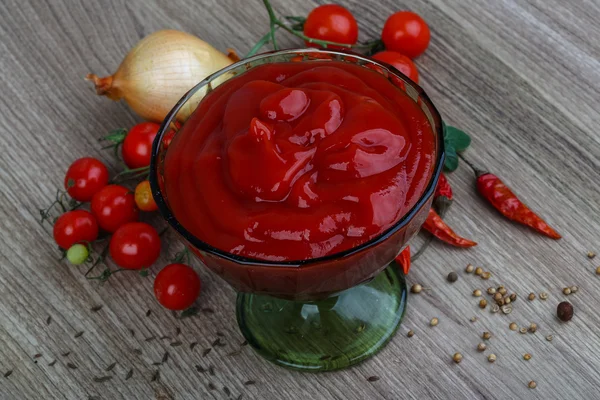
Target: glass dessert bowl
x=344, y=299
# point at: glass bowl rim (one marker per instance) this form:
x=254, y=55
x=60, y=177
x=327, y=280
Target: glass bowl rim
x=166, y=213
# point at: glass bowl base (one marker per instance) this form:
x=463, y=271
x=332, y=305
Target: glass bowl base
x=328, y=334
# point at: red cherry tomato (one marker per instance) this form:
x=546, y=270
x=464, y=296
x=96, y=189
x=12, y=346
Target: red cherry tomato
x=407, y=33
x=143, y=197
x=177, y=286
x=137, y=146
x=333, y=23
x=85, y=177
x=114, y=206
x=135, y=245
x=400, y=62
x=74, y=227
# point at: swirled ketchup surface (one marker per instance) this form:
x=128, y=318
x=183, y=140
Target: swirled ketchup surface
x=293, y=161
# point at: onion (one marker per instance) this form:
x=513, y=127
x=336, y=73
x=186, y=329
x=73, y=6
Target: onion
x=159, y=70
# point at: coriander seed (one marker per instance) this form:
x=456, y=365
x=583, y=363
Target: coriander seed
x=564, y=311
x=543, y=296
x=591, y=254
x=526, y=356
x=457, y=357
x=549, y=338
x=482, y=303
x=532, y=385
x=491, y=291
x=574, y=289
x=416, y=288
x=513, y=297
x=478, y=271
x=481, y=347
x=532, y=328
x=598, y=271
x=531, y=296
x=486, y=275
x=507, y=300
x=567, y=291
x=410, y=333
x=506, y=309
x=434, y=321
x=492, y=358
x=497, y=296
x=502, y=290
x=523, y=330
x=495, y=308
x=513, y=326
x=469, y=268
x=477, y=293
x=486, y=335
x=452, y=277
x=473, y=319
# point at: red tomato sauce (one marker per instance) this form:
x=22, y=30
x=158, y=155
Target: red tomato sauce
x=293, y=161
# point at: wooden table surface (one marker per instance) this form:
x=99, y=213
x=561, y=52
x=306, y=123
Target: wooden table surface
x=521, y=76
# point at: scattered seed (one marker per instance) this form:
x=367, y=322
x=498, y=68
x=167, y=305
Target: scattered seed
x=100, y=379
x=410, y=333
x=492, y=358
x=240, y=396
x=78, y=334
x=495, y=308
x=486, y=335
x=211, y=370
x=491, y=290
x=129, y=374
x=532, y=328
x=48, y=320
x=206, y=351
x=137, y=352
x=373, y=378
x=513, y=297
x=482, y=303
x=543, y=296
x=526, y=356
x=66, y=354
x=192, y=345
x=250, y=382
x=71, y=366
x=200, y=369
x=234, y=353
x=97, y=308
x=148, y=313
x=165, y=337
x=131, y=332
x=155, y=376
x=211, y=386
x=549, y=338
x=531, y=296
x=506, y=309
x=564, y=311
x=38, y=355
x=566, y=291
x=591, y=255
x=523, y=330
x=149, y=339
x=8, y=373
x=598, y=271
x=532, y=385
x=156, y=364
x=51, y=363
x=486, y=275
x=110, y=367
x=497, y=296
x=452, y=277
x=513, y=326
x=574, y=289
x=165, y=357
x=434, y=321
x=507, y=300
x=416, y=288
x=481, y=347
x=216, y=342
x=478, y=271
x=477, y=293
x=177, y=331
x=208, y=310
x=457, y=357
x=470, y=268
x=226, y=391
x=176, y=344
x=502, y=290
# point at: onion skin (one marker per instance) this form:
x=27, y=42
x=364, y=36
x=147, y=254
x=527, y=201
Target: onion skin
x=159, y=70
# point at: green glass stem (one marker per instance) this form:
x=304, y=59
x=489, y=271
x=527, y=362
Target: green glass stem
x=328, y=334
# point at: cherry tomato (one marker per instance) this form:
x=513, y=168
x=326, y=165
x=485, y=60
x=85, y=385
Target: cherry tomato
x=134, y=245
x=78, y=254
x=400, y=62
x=143, y=197
x=73, y=227
x=137, y=146
x=333, y=23
x=177, y=286
x=407, y=33
x=85, y=177
x=114, y=206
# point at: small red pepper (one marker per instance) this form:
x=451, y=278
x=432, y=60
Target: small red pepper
x=403, y=259
x=509, y=205
x=443, y=188
x=438, y=228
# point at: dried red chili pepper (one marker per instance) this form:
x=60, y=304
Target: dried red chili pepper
x=509, y=205
x=438, y=228
x=443, y=188
x=403, y=260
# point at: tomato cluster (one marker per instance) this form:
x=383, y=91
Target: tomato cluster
x=405, y=35
x=115, y=209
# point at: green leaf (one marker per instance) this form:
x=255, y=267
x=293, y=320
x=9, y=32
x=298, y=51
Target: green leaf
x=144, y=272
x=116, y=136
x=457, y=138
x=451, y=162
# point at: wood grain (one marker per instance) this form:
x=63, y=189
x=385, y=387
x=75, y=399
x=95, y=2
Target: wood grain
x=522, y=76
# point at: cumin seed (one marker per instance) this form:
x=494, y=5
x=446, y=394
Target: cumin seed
x=71, y=366
x=101, y=379
x=206, y=351
x=129, y=374
x=97, y=308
